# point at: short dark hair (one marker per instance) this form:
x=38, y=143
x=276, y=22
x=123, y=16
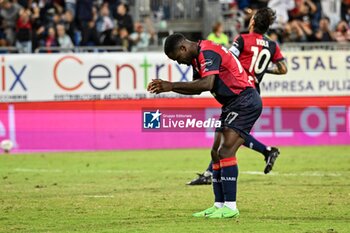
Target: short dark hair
x=263, y=18
x=172, y=42
x=326, y=18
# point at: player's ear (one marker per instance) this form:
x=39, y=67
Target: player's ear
x=183, y=48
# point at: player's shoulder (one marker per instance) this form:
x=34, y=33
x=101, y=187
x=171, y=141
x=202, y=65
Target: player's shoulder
x=207, y=45
x=250, y=38
x=268, y=38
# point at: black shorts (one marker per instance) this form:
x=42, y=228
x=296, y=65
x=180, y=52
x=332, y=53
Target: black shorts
x=242, y=113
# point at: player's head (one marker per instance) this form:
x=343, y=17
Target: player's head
x=261, y=20
x=177, y=48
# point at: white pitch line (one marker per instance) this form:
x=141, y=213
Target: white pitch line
x=315, y=173
x=254, y=173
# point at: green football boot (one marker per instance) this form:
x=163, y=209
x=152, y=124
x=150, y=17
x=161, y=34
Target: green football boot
x=224, y=212
x=205, y=212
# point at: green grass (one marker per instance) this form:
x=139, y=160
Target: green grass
x=145, y=191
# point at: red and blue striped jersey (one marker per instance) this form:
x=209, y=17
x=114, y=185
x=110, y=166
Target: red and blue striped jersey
x=214, y=59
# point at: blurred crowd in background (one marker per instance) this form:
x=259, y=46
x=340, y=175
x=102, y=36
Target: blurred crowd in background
x=300, y=20
x=29, y=24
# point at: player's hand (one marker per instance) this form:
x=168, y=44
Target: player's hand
x=158, y=86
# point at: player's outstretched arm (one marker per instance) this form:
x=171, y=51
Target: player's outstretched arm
x=278, y=68
x=188, y=88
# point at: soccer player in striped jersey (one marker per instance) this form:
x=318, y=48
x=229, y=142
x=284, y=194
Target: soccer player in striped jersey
x=219, y=72
x=255, y=52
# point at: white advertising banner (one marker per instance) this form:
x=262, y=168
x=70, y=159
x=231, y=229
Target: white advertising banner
x=67, y=77
x=311, y=73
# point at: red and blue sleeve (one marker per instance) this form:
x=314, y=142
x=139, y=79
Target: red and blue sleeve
x=278, y=55
x=237, y=45
x=210, y=62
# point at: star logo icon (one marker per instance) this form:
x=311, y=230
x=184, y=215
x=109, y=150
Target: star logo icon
x=156, y=115
x=151, y=119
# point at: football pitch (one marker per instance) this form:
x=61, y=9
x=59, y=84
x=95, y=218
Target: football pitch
x=145, y=191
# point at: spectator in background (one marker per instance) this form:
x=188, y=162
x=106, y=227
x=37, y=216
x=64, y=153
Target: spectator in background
x=306, y=28
x=243, y=4
x=112, y=4
x=56, y=19
x=58, y=5
x=342, y=32
x=281, y=7
x=87, y=23
x=257, y=4
x=117, y=37
x=123, y=39
x=38, y=27
x=50, y=12
x=104, y=21
x=316, y=17
x=25, y=3
x=324, y=33
x=84, y=13
x=3, y=41
x=10, y=12
x=71, y=6
x=124, y=20
x=69, y=24
x=345, y=11
x=36, y=17
x=108, y=37
x=217, y=35
x=303, y=9
x=293, y=32
x=64, y=41
x=51, y=39
x=331, y=9
x=24, y=32
x=140, y=39
x=90, y=35
x=234, y=14
x=148, y=26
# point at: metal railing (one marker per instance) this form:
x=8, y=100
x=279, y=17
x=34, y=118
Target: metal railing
x=9, y=49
